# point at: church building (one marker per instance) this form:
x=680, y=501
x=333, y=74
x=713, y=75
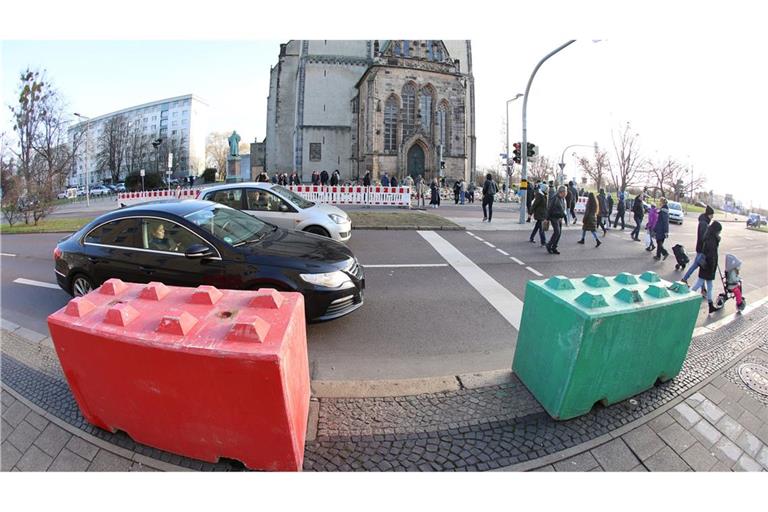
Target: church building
x=397, y=106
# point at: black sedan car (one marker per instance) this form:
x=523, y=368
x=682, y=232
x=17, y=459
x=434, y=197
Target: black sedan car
x=191, y=243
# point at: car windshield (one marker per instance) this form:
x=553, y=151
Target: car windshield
x=674, y=206
x=292, y=197
x=230, y=225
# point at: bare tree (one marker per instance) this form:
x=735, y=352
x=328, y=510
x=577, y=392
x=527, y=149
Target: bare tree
x=216, y=151
x=138, y=150
x=27, y=115
x=540, y=168
x=629, y=162
x=55, y=149
x=597, y=167
x=10, y=183
x=112, y=145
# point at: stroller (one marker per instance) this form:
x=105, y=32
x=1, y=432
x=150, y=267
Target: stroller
x=731, y=283
x=680, y=256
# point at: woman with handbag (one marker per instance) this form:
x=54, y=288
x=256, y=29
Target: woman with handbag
x=539, y=212
x=589, y=221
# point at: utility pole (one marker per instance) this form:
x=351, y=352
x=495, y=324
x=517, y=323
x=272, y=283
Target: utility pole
x=87, y=169
x=524, y=173
x=518, y=95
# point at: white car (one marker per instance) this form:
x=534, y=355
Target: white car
x=675, y=212
x=98, y=190
x=279, y=206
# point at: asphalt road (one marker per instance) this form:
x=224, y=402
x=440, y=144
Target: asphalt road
x=421, y=321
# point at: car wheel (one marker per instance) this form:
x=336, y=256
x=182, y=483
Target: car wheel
x=317, y=230
x=81, y=285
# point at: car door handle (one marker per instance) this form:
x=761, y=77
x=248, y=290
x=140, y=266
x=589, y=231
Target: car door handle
x=147, y=270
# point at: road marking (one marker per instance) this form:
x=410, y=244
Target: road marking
x=516, y=260
x=408, y=265
x=470, y=233
x=505, y=253
x=478, y=238
x=508, y=306
x=7, y=254
x=535, y=271
x=41, y=284
x=489, y=244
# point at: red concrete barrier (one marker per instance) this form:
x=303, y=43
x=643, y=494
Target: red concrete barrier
x=200, y=372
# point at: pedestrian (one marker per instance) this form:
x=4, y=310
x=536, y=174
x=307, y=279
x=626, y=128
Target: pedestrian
x=324, y=178
x=489, y=191
x=575, y=198
x=704, y=220
x=367, y=179
x=589, y=221
x=294, y=179
x=409, y=181
x=335, y=178
x=620, y=209
x=653, y=217
x=385, y=180
x=708, y=263
x=263, y=177
x=393, y=181
x=602, y=204
x=610, y=208
x=530, y=196
x=568, y=200
x=538, y=210
x=637, y=210
x=420, y=192
x=462, y=191
x=552, y=190
x=471, y=192
x=556, y=214
x=662, y=230
x=315, y=178
x=456, y=191
x=434, y=189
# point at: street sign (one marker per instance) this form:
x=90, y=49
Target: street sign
x=562, y=165
x=170, y=160
x=141, y=173
x=503, y=155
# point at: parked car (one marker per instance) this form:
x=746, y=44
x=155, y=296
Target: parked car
x=119, y=188
x=755, y=220
x=191, y=243
x=676, y=214
x=62, y=195
x=99, y=190
x=288, y=210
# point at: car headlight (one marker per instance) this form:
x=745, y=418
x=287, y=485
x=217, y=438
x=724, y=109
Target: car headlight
x=338, y=219
x=337, y=279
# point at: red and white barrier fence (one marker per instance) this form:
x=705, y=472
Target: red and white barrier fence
x=131, y=198
x=374, y=196
x=581, y=205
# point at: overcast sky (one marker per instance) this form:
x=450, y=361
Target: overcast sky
x=690, y=77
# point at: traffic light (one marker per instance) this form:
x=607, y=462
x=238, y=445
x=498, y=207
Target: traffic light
x=442, y=164
x=517, y=152
x=532, y=150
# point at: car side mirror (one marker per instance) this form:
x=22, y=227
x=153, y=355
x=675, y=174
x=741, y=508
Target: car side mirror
x=198, y=251
x=283, y=208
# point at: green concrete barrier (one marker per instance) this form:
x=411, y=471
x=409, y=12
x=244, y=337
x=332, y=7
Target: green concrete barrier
x=601, y=339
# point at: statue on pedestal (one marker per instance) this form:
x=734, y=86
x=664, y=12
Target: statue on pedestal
x=234, y=149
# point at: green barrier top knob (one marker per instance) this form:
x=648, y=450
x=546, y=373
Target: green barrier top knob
x=595, y=281
x=651, y=277
x=629, y=296
x=625, y=278
x=559, y=283
x=679, y=288
x=657, y=291
x=591, y=300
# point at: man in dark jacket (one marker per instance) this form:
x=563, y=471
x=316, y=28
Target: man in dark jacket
x=620, y=209
x=662, y=229
x=602, y=204
x=367, y=179
x=294, y=179
x=708, y=263
x=637, y=210
x=574, y=199
x=610, y=208
x=538, y=210
x=335, y=178
x=489, y=190
x=704, y=220
x=556, y=214
x=393, y=181
x=324, y=177
x=529, y=197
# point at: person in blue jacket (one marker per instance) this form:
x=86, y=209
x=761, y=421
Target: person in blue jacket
x=662, y=230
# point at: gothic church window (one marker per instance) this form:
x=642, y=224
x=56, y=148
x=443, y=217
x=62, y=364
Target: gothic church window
x=441, y=124
x=409, y=109
x=390, y=124
x=425, y=105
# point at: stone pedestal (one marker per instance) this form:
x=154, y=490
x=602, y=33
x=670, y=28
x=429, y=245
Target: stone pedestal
x=233, y=168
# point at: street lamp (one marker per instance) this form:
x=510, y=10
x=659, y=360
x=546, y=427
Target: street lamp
x=87, y=169
x=518, y=95
x=524, y=173
x=562, y=157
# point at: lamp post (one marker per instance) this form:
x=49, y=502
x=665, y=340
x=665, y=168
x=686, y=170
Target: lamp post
x=518, y=95
x=524, y=172
x=87, y=169
x=562, y=157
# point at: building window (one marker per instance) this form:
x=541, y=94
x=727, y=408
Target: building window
x=425, y=105
x=409, y=109
x=398, y=51
x=406, y=49
x=441, y=124
x=390, y=124
x=315, y=151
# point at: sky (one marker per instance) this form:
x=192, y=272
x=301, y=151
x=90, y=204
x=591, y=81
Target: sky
x=689, y=77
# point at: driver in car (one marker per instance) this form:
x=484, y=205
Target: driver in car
x=263, y=202
x=160, y=242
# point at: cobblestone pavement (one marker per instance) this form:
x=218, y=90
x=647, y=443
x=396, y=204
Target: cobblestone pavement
x=466, y=430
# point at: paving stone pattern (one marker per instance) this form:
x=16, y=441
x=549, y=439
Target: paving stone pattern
x=441, y=431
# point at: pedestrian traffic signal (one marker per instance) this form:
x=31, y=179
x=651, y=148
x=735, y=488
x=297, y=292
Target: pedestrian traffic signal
x=517, y=152
x=532, y=150
x=442, y=164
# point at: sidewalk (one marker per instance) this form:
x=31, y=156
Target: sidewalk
x=712, y=417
